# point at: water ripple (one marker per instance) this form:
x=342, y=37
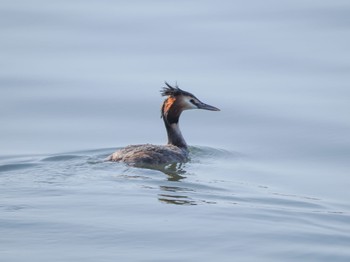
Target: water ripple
x=60, y=158
x=17, y=166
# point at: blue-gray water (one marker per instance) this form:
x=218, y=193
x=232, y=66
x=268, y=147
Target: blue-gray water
x=268, y=178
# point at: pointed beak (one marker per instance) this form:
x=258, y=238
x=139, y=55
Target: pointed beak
x=207, y=107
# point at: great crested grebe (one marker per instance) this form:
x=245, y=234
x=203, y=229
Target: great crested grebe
x=176, y=150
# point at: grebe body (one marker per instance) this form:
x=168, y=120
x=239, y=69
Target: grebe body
x=176, y=151
x=148, y=154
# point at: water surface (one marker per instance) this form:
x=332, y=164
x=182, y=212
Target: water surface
x=268, y=177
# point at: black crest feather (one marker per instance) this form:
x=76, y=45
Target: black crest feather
x=173, y=90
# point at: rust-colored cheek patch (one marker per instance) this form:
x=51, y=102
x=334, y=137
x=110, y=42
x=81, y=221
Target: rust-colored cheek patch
x=168, y=103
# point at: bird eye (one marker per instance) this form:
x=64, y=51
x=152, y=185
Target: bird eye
x=192, y=101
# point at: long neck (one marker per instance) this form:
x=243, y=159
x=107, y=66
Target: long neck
x=174, y=135
x=171, y=114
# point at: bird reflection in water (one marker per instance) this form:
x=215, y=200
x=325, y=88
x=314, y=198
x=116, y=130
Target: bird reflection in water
x=174, y=193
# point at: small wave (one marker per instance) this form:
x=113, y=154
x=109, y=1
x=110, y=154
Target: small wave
x=10, y=167
x=280, y=202
x=98, y=151
x=197, y=153
x=60, y=158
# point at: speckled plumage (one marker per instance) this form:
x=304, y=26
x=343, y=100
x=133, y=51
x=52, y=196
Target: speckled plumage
x=148, y=154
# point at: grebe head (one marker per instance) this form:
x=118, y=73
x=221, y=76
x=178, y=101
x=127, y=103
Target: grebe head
x=179, y=100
